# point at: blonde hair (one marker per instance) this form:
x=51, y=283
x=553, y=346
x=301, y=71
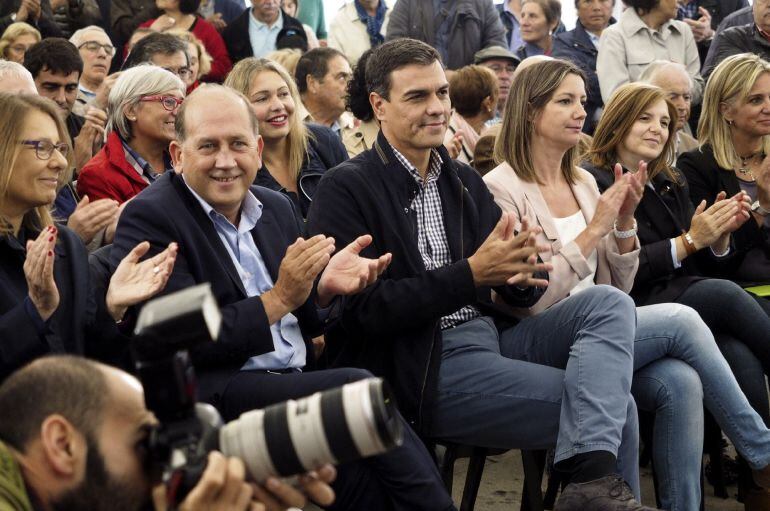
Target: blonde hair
x=287, y=57
x=14, y=109
x=730, y=83
x=530, y=92
x=243, y=75
x=13, y=32
x=621, y=112
x=204, y=59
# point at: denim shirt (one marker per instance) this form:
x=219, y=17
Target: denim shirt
x=290, y=350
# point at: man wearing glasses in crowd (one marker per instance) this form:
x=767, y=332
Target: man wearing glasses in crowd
x=97, y=52
x=162, y=50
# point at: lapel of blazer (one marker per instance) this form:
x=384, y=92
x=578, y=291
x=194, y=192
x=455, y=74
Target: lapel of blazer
x=207, y=226
x=540, y=209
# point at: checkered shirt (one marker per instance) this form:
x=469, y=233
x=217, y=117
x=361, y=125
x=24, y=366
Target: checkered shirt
x=431, y=234
x=688, y=11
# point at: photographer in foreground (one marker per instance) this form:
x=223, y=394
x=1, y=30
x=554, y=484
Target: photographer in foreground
x=77, y=443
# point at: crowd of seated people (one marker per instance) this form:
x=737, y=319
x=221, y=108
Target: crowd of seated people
x=534, y=232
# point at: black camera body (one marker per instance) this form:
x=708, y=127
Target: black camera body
x=338, y=425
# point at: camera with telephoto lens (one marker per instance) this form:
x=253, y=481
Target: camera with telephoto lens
x=334, y=426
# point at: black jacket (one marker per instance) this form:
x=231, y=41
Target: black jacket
x=392, y=327
x=663, y=213
x=732, y=41
x=236, y=34
x=577, y=47
x=324, y=151
x=46, y=23
x=751, y=243
x=80, y=325
x=167, y=211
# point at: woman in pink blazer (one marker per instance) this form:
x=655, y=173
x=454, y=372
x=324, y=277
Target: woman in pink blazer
x=593, y=242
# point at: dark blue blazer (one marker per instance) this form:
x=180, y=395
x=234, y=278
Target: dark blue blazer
x=167, y=211
x=576, y=46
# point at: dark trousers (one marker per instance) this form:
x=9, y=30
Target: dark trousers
x=405, y=478
x=741, y=327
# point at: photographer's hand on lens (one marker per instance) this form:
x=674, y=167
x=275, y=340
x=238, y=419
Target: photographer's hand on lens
x=135, y=281
x=38, y=270
x=279, y=496
x=222, y=487
x=299, y=268
x=348, y=273
x=507, y=259
x=89, y=218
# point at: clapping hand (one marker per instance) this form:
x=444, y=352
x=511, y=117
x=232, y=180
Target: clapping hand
x=636, y=183
x=507, y=259
x=38, y=270
x=348, y=273
x=89, y=218
x=135, y=281
x=701, y=28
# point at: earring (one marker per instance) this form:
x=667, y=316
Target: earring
x=730, y=123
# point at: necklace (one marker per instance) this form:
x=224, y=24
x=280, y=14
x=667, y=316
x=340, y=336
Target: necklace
x=745, y=168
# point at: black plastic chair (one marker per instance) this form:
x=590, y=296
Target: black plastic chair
x=533, y=462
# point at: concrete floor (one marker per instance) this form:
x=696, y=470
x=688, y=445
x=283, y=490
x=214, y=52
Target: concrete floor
x=503, y=479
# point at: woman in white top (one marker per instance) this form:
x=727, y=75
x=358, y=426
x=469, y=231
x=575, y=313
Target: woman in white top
x=593, y=241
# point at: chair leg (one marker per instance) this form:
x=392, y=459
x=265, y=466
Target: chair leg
x=473, y=478
x=532, y=496
x=448, y=467
x=554, y=482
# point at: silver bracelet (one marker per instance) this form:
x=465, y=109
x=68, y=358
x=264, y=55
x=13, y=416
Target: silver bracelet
x=622, y=235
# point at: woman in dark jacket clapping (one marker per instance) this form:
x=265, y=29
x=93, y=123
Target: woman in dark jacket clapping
x=679, y=241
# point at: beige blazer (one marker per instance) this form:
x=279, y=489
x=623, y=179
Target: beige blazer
x=569, y=266
x=347, y=33
x=629, y=46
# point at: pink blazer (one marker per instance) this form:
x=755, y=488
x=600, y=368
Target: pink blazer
x=569, y=266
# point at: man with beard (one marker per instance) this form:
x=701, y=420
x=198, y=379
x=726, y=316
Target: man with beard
x=76, y=443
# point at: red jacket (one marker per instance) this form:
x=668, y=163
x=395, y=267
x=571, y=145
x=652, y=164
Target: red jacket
x=108, y=175
x=220, y=59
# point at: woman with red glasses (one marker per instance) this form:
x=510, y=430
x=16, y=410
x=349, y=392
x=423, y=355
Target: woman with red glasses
x=141, y=111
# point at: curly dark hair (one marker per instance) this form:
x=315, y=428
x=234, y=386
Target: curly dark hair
x=357, y=100
x=53, y=54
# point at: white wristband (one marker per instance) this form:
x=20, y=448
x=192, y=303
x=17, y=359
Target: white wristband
x=622, y=235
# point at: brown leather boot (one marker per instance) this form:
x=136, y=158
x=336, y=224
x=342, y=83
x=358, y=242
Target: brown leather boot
x=609, y=493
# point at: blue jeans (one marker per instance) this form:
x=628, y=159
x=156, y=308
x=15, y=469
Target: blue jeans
x=678, y=369
x=560, y=378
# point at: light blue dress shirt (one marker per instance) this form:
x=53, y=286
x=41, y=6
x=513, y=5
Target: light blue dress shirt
x=261, y=36
x=290, y=350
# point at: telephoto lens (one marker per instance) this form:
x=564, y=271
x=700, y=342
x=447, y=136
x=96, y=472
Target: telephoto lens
x=335, y=426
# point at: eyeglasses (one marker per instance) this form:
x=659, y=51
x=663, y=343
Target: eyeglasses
x=44, y=148
x=94, y=47
x=170, y=103
x=183, y=72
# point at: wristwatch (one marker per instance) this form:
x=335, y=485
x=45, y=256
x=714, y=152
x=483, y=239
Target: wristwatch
x=756, y=207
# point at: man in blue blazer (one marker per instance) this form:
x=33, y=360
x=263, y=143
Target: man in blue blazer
x=276, y=290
